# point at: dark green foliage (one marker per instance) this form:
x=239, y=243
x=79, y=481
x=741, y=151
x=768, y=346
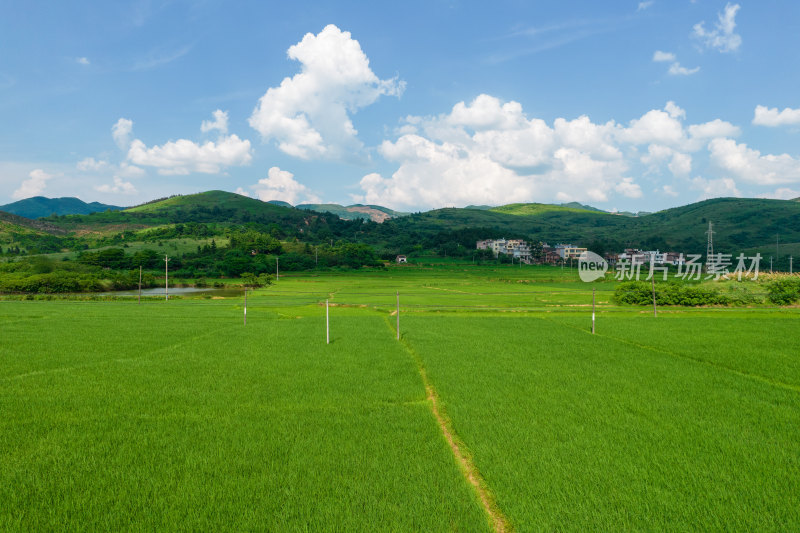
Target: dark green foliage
x=254, y=242
x=670, y=293
x=67, y=281
x=255, y=281
x=236, y=262
x=784, y=291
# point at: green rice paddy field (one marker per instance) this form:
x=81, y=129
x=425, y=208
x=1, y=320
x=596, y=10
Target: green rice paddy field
x=176, y=415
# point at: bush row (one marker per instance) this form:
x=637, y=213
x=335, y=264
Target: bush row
x=778, y=292
x=61, y=281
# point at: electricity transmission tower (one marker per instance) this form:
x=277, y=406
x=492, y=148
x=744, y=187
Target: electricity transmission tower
x=166, y=277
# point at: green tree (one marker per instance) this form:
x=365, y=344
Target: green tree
x=253, y=281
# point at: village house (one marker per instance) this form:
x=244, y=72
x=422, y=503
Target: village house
x=569, y=251
x=516, y=248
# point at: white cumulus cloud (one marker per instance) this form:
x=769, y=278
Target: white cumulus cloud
x=309, y=113
x=782, y=193
x=121, y=131
x=119, y=187
x=765, y=116
x=676, y=69
x=681, y=164
x=628, y=188
x=487, y=151
x=722, y=37
x=657, y=127
x=281, y=185
x=220, y=123
x=715, y=188
x=660, y=56
x=34, y=185
x=669, y=191
x=90, y=163
x=490, y=152
x=712, y=129
x=674, y=110
x=184, y=156
x=751, y=166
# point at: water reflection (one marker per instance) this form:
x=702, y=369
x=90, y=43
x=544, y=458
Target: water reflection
x=227, y=292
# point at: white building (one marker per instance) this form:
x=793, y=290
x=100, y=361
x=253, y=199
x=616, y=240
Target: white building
x=517, y=248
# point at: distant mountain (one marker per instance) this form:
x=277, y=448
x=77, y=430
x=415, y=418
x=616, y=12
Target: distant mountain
x=280, y=203
x=538, y=209
x=376, y=213
x=39, y=206
x=739, y=223
x=576, y=205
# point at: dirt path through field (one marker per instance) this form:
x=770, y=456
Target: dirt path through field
x=464, y=459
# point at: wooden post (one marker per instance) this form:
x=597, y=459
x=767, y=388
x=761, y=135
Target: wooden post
x=327, y=325
x=593, y=310
x=398, y=315
x=166, y=277
x=245, y=306
x=140, y=284
x=277, y=268
x=653, y=279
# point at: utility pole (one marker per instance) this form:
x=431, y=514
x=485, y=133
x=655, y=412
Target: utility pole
x=790, y=264
x=327, y=325
x=316, y=257
x=140, y=284
x=398, y=315
x=655, y=312
x=277, y=268
x=245, y=305
x=593, y=289
x=770, y=264
x=166, y=277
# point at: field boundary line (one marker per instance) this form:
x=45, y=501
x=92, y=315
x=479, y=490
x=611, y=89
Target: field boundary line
x=741, y=373
x=463, y=457
x=114, y=360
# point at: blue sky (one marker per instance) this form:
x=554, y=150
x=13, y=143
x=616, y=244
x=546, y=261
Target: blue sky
x=639, y=105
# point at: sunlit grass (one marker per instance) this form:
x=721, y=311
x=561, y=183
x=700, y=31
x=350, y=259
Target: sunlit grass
x=170, y=415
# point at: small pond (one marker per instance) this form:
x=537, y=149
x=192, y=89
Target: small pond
x=227, y=292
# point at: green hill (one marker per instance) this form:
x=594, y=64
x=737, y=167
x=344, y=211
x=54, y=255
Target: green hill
x=14, y=223
x=217, y=207
x=30, y=235
x=221, y=200
x=537, y=209
x=39, y=206
x=739, y=223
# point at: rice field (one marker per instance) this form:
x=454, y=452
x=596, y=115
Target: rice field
x=177, y=415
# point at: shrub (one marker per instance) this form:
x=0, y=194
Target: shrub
x=671, y=293
x=784, y=291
